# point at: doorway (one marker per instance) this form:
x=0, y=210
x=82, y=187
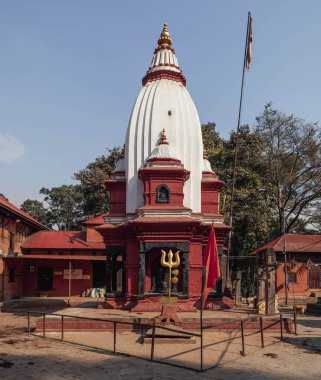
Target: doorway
x=45, y=277
x=99, y=274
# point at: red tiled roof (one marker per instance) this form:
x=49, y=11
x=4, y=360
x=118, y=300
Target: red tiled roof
x=97, y=220
x=15, y=210
x=60, y=240
x=56, y=257
x=294, y=243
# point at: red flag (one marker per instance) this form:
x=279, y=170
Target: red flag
x=211, y=262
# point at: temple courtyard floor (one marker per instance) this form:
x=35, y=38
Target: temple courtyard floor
x=24, y=356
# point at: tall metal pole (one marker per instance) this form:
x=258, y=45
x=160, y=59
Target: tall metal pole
x=228, y=284
x=69, y=284
x=285, y=261
x=201, y=313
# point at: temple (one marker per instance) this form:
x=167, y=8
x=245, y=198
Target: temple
x=163, y=195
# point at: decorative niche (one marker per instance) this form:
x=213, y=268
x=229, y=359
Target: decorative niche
x=162, y=194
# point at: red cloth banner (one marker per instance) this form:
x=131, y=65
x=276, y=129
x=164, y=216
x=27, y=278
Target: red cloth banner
x=211, y=262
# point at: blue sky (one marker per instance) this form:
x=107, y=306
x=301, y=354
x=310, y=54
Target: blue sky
x=70, y=71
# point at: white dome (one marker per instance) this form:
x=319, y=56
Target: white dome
x=164, y=102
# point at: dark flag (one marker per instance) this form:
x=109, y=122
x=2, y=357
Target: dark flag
x=249, y=44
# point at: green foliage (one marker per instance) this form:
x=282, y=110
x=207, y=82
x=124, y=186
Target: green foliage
x=92, y=178
x=213, y=143
x=292, y=177
x=36, y=209
x=251, y=214
x=65, y=206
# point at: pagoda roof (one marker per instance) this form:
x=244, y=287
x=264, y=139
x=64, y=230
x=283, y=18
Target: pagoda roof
x=96, y=220
x=14, y=210
x=53, y=240
x=294, y=243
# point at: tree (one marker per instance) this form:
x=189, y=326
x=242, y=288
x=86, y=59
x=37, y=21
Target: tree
x=95, y=197
x=251, y=214
x=65, y=206
x=212, y=141
x=36, y=209
x=292, y=177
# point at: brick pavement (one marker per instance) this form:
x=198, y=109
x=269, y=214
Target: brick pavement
x=35, y=358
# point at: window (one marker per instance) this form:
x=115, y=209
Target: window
x=11, y=242
x=292, y=277
x=162, y=194
x=12, y=274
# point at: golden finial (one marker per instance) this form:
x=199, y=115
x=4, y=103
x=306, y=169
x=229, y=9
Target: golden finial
x=165, y=37
x=163, y=137
x=204, y=153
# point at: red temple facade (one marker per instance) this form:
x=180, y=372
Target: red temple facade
x=163, y=195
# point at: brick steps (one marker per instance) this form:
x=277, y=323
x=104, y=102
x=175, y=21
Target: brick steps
x=152, y=304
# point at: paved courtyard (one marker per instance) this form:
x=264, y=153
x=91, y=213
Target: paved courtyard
x=31, y=357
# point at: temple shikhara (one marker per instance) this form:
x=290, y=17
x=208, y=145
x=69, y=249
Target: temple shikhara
x=164, y=195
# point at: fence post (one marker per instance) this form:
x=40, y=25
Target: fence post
x=242, y=335
x=44, y=325
x=295, y=323
x=261, y=328
x=62, y=328
x=28, y=322
x=115, y=336
x=153, y=343
x=201, y=347
x=281, y=326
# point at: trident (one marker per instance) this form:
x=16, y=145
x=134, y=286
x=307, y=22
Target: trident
x=170, y=264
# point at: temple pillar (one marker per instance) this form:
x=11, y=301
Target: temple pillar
x=185, y=273
x=108, y=273
x=112, y=253
x=142, y=275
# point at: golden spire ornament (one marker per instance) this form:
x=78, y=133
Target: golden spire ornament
x=165, y=37
x=163, y=138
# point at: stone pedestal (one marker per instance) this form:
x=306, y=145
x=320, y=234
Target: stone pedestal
x=169, y=315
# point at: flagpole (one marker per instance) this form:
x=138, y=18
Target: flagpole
x=202, y=300
x=201, y=311
x=228, y=282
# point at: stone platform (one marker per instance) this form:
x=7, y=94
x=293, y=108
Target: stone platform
x=103, y=320
x=152, y=304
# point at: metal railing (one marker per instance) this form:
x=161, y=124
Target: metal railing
x=143, y=326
